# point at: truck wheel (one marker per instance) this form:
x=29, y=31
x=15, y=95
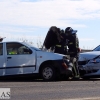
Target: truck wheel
x=48, y=73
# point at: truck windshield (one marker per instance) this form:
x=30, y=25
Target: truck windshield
x=30, y=45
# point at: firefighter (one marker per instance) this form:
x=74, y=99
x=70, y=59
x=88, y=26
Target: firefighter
x=52, y=37
x=73, y=49
x=61, y=47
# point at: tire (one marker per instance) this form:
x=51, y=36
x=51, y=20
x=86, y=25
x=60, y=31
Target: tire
x=48, y=73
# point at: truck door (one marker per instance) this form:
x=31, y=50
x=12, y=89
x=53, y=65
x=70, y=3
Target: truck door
x=2, y=60
x=20, y=59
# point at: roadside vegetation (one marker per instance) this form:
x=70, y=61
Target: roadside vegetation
x=39, y=44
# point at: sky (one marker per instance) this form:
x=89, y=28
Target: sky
x=30, y=20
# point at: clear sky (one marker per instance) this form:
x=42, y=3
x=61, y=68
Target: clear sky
x=31, y=19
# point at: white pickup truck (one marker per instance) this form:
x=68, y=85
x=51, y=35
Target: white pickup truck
x=21, y=58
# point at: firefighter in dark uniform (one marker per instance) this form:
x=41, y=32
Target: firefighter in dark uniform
x=61, y=47
x=73, y=49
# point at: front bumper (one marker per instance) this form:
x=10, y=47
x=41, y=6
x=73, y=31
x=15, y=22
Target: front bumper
x=86, y=68
x=64, y=67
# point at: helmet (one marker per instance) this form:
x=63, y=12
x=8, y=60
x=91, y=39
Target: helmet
x=70, y=30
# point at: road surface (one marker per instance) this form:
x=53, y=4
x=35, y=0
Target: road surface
x=31, y=89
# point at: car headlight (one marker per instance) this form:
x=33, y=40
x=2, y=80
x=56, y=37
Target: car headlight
x=65, y=58
x=94, y=61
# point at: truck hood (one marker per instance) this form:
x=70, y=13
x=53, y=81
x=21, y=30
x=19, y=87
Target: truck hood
x=88, y=55
x=49, y=55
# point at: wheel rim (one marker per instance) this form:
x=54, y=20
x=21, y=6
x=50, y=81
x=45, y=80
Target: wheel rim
x=47, y=73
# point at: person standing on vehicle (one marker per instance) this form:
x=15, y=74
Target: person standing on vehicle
x=73, y=49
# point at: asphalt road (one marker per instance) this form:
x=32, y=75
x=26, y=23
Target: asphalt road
x=31, y=89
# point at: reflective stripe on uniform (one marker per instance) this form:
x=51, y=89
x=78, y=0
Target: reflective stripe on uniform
x=58, y=45
x=61, y=46
x=71, y=43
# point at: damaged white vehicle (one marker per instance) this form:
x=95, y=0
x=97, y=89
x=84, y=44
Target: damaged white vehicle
x=21, y=58
x=89, y=63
